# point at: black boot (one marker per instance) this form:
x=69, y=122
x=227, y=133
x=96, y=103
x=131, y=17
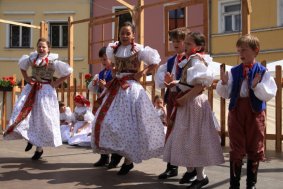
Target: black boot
x=115, y=160
x=252, y=168
x=125, y=169
x=28, y=147
x=37, y=155
x=188, y=177
x=103, y=161
x=235, y=174
x=171, y=171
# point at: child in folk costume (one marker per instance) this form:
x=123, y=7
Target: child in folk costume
x=160, y=109
x=97, y=85
x=126, y=122
x=248, y=86
x=81, y=122
x=172, y=70
x=65, y=121
x=35, y=115
x=194, y=141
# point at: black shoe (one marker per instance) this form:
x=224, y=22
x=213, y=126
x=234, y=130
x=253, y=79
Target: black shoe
x=103, y=161
x=37, y=155
x=125, y=169
x=197, y=184
x=188, y=177
x=171, y=171
x=28, y=147
x=115, y=160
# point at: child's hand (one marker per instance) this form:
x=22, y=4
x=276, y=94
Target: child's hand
x=94, y=82
x=168, y=80
x=79, y=130
x=224, y=76
x=102, y=83
x=256, y=80
x=28, y=79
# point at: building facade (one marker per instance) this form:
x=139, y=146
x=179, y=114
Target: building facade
x=17, y=40
x=225, y=28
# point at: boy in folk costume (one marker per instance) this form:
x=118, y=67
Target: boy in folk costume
x=97, y=85
x=171, y=70
x=248, y=86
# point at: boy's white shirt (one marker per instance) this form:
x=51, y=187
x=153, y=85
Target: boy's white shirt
x=265, y=90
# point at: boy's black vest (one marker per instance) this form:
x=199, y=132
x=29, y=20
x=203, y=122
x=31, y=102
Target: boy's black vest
x=170, y=64
x=237, y=74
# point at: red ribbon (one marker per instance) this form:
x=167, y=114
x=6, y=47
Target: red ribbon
x=246, y=68
x=113, y=88
x=27, y=107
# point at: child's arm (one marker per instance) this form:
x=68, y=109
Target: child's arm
x=264, y=88
x=190, y=95
x=57, y=82
x=84, y=126
x=169, y=81
x=25, y=76
x=224, y=85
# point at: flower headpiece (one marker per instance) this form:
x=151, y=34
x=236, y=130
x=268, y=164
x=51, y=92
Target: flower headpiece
x=82, y=100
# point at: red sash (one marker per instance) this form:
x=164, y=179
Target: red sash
x=174, y=112
x=113, y=88
x=27, y=107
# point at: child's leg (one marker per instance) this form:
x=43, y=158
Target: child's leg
x=104, y=160
x=126, y=167
x=189, y=176
x=38, y=153
x=255, y=146
x=171, y=171
x=201, y=180
x=236, y=131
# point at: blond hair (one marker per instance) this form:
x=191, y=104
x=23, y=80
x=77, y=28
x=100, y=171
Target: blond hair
x=250, y=40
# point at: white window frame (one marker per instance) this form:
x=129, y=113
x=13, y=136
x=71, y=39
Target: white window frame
x=279, y=12
x=50, y=22
x=221, y=15
x=8, y=34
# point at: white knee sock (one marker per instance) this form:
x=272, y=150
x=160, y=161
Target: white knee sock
x=200, y=173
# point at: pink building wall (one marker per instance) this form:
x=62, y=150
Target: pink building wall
x=154, y=32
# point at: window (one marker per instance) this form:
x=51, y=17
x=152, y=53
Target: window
x=59, y=34
x=123, y=17
x=177, y=18
x=280, y=12
x=19, y=36
x=231, y=17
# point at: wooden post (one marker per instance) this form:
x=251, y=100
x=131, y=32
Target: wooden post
x=43, y=30
x=71, y=61
x=4, y=110
x=278, y=109
x=81, y=83
x=246, y=17
x=223, y=118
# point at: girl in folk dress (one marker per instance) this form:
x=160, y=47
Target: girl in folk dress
x=194, y=141
x=35, y=115
x=81, y=122
x=126, y=122
x=65, y=121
